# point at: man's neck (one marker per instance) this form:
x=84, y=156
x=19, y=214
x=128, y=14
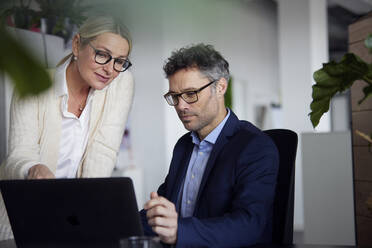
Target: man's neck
x=204, y=132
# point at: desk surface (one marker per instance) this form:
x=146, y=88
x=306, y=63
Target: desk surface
x=11, y=244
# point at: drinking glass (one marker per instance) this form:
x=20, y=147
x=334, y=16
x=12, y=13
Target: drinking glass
x=140, y=242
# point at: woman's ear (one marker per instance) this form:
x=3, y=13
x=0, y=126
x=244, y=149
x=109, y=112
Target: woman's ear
x=76, y=45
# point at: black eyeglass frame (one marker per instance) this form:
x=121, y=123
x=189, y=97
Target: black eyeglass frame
x=177, y=95
x=96, y=51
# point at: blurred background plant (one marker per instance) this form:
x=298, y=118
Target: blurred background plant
x=28, y=76
x=228, y=94
x=336, y=77
x=19, y=15
x=56, y=17
x=61, y=16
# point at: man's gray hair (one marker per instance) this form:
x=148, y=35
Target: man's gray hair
x=203, y=57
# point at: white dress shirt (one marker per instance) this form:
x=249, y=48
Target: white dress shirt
x=74, y=135
x=74, y=132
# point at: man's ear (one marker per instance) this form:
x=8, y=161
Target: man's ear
x=221, y=87
x=76, y=45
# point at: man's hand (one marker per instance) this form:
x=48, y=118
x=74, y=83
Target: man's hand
x=40, y=171
x=162, y=217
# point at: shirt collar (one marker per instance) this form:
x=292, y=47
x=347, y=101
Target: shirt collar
x=60, y=83
x=212, y=136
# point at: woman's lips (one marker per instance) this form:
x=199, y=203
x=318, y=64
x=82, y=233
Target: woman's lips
x=101, y=78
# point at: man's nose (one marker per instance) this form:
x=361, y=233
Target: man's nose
x=182, y=104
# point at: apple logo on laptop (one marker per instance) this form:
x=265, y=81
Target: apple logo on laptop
x=73, y=220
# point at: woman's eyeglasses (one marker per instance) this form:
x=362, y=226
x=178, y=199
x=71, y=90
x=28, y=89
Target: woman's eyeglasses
x=102, y=57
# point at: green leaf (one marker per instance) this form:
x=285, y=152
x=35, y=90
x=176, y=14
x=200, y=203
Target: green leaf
x=319, y=108
x=320, y=92
x=28, y=76
x=228, y=95
x=367, y=93
x=368, y=43
x=335, y=77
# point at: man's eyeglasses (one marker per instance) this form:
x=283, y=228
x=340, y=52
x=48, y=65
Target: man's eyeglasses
x=102, y=57
x=188, y=96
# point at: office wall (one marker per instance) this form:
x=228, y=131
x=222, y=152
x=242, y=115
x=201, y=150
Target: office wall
x=243, y=31
x=147, y=115
x=303, y=46
x=246, y=35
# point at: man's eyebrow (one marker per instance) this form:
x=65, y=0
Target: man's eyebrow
x=183, y=91
x=189, y=89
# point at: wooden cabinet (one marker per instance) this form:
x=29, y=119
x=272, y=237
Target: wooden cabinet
x=362, y=121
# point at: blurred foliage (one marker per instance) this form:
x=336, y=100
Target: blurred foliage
x=28, y=75
x=22, y=14
x=228, y=94
x=369, y=202
x=368, y=43
x=336, y=77
x=61, y=16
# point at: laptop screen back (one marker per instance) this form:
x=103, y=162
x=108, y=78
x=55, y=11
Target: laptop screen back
x=71, y=211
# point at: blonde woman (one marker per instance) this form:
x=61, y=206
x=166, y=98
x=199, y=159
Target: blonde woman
x=75, y=128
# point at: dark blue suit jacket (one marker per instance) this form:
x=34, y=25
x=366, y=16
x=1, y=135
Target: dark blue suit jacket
x=235, y=199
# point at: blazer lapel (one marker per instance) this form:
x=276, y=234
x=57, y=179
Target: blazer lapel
x=181, y=173
x=228, y=130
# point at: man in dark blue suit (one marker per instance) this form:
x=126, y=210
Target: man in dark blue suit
x=220, y=187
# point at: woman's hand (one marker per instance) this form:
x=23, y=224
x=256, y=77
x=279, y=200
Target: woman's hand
x=40, y=171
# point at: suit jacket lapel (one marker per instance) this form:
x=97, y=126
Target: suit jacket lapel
x=228, y=130
x=181, y=173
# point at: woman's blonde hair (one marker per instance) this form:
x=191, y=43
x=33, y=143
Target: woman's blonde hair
x=97, y=25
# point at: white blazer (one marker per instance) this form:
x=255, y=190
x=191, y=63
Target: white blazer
x=35, y=130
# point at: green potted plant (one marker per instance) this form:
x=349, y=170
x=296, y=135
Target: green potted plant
x=337, y=77
x=20, y=15
x=60, y=16
x=55, y=17
x=28, y=75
